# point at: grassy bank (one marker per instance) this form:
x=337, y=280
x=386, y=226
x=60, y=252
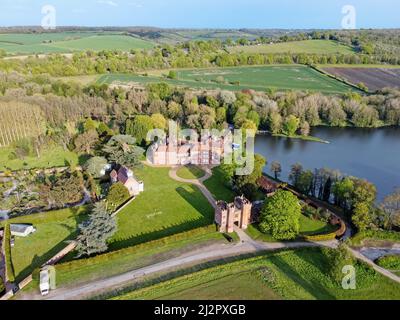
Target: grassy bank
x=295, y=274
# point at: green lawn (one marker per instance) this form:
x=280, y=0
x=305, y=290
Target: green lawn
x=284, y=77
x=54, y=157
x=54, y=228
x=308, y=227
x=64, y=42
x=217, y=187
x=256, y=234
x=234, y=287
x=127, y=259
x=190, y=172
x=294, y=274
x=165, y=207
x=305, y=46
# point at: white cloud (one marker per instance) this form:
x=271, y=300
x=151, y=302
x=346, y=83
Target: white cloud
x=108, y=2
x=135, y=4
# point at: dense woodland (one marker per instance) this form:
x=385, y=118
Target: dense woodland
x=38, y=104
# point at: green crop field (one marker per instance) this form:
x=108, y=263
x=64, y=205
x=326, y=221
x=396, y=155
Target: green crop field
x=306, y=46
x=65, y=42
x=294, y=274
x=283, y=77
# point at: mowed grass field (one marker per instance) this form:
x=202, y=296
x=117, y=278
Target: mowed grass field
x=66, y=42
x=54, y=229
x=300, y=274
x=166, y=207
x=306, y=46
x=260, y=78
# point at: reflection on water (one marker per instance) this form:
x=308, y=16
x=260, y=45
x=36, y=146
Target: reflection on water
x=372, y=154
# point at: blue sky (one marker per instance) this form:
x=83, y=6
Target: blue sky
x=204, y=13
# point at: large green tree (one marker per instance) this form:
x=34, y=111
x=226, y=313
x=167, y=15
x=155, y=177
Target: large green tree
x=291, y=125
x=95, y=232
x=139, y=128
x=95, y=165
x=280, y=216
x=121, y=149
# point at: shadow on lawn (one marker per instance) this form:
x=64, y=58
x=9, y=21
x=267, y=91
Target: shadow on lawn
x=38, y=261
x=314, y=287
x=196, y=199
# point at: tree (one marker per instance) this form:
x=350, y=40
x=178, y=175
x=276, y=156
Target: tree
x=95, y=232
x=280, y=216
x=275, y=123
x=139, y=128
x=117, y=195
x=391, y=206
x=291, y=125
x=159, y=121
x=295, y=173
x=305, y=129
x=343, y=190
x=227, y=97
x=67, y=189
x=361, y=216
x=95, y=165
x=121, y=149
x=337, y=259
x=305, y=182
x=85, y=142
x=172, y=75
x=89, y=125
x=252, y=178
x=276, y=169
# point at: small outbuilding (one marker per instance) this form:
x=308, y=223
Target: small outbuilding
x=22, y=230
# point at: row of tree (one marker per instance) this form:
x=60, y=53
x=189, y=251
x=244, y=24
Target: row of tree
x=357, y=197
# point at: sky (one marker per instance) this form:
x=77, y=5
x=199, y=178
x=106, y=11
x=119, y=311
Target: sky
x=286, y=14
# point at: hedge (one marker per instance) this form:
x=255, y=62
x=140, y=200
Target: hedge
x=7, y=252
x=321, y=237
x=134, y=249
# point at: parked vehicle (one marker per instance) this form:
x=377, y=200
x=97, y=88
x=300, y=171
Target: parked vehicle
x=44, y=282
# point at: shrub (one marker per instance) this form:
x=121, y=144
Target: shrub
x=172, y=75
x=117, y=196
x=389, y=262
x=337, y=260
x=7, y=250
x=134, y=249
x=321, y=237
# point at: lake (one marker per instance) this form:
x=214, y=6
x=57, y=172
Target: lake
x=372, y=154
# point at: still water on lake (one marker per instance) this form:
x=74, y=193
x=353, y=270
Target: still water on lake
x=372, y=154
